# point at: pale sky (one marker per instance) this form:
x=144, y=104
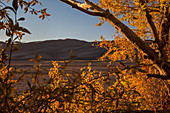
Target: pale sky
x=64, y=22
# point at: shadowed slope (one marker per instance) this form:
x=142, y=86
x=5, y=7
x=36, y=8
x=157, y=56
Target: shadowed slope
x=58, y=49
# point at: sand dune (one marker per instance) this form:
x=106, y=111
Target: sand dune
x=57, y=49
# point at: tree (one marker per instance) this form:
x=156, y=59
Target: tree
x=154, y=18
x=139, y=21
x=146, y=20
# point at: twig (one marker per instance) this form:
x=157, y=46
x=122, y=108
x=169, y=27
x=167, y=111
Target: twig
x=166, y=77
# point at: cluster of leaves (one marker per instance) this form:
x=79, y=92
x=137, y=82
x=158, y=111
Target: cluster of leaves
x=28, y=6
x=76, y=91
x=133, y=12
x=85, y=90
x=147, y=19
x=134, y=67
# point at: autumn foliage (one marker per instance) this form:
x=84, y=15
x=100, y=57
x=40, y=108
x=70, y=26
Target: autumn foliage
x=141, y=79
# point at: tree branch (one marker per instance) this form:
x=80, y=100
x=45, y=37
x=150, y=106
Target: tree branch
x=153, y=28
x=82, y=7
x=159, y=76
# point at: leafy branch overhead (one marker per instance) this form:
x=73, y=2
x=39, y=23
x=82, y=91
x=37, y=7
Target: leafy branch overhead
x=115, y=12
x=12, y=25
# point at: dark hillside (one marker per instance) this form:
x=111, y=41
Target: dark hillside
x=57, y=49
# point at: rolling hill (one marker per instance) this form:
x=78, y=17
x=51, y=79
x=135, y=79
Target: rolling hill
x=57, y=49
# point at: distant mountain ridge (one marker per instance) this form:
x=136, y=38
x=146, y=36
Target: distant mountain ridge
x=57, y=49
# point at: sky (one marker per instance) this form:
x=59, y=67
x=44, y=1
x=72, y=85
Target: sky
x=64, y=22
